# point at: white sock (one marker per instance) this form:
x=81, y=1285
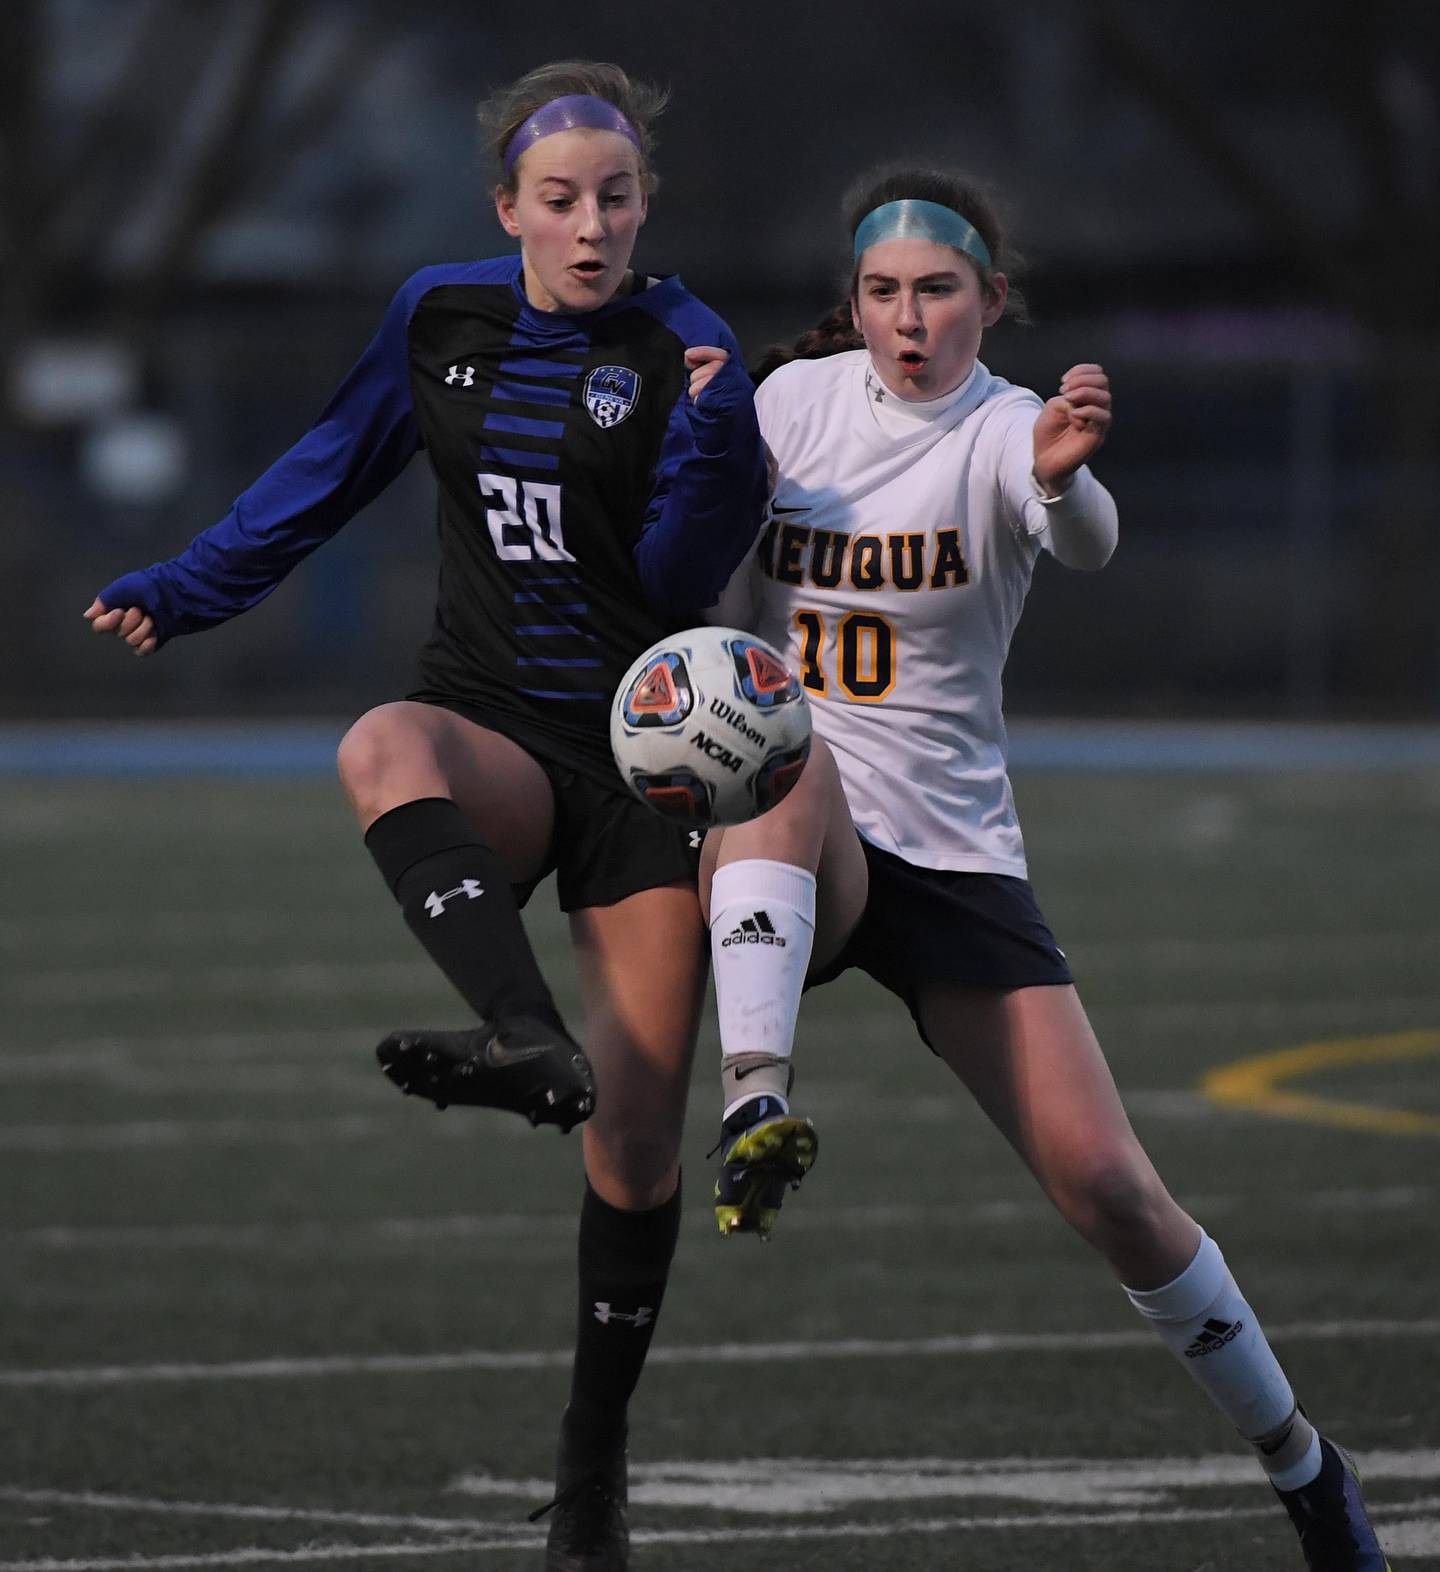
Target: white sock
x=762, y=929
x=1204, y=1320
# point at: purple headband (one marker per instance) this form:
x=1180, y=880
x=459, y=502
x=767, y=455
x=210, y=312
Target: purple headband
x=577, y=111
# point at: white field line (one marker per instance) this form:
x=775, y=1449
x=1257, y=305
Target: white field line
x=768, y=1535
x=981, y=1344
x=1246, y=1021
x=109, y=1501
x=923, y=1111
x=299, y=1076
x=255, y=1556
x=424, y=1231
x=176, y=929
x=297, y=979
x=1129, y=1491
x=137, y=1047
x=1268, y=951
x=1243, y=1021
x=152, y=1134
x=284, y=1046
x=1213, y=957
x=916, y=1111
x=177, y=926
x=1412, y=1537
x=806, y=1487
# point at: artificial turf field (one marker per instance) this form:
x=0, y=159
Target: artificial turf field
x=261, y=1311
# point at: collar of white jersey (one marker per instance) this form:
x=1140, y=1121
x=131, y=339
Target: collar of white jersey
x=899, y=417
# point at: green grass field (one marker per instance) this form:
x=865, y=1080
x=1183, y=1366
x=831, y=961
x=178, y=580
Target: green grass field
x=260, y=1311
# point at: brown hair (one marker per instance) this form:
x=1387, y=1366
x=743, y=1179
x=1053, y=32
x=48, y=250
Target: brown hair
x=835, y=331
x=504, y=112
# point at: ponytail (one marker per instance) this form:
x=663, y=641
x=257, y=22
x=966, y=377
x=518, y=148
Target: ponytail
x=832, y=334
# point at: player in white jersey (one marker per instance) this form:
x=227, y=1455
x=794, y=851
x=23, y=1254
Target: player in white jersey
x=913, y=492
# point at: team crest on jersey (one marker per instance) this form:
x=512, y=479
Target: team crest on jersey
x=610, y=394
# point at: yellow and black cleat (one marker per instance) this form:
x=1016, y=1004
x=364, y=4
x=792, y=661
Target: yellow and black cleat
x=765, y=1150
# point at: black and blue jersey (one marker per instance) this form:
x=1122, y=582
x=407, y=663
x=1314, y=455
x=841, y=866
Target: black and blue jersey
x=586, y=505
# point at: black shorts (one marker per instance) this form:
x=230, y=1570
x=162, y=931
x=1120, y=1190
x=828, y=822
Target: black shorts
x=920, y=925
x=605, y=844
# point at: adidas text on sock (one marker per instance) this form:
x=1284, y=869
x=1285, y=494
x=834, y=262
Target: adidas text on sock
x=762, y=930
x=1204, y=1320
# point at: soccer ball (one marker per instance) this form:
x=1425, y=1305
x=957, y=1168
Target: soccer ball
x=710, y=727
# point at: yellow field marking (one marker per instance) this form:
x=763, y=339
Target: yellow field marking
x=1258, y=1083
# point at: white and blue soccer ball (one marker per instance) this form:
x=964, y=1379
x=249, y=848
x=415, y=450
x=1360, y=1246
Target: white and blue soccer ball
x=710, y=727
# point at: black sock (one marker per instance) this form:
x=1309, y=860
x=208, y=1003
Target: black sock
x=624, y=1262
x=458, y=902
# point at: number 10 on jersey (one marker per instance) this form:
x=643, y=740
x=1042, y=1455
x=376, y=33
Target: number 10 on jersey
x=862, y=651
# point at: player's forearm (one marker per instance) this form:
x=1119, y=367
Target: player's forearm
x=710, y=500
x=704, y=528
x=222, y=572
x=1082, y=522
x=296, y=505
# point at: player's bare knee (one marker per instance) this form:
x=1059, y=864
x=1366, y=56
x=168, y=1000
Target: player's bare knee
x=820, y=780
x=1113, y=1198
x=636, y=1158
x=369, y=756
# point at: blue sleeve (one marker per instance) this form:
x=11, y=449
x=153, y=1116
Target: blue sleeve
x=365, y=436
x=709, y=496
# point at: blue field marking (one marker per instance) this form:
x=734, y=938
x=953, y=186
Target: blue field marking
x=1220, y=745
x=308, y=747
x=176, y=748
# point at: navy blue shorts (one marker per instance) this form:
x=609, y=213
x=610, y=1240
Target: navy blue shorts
x=924, y=925
x=605, y=844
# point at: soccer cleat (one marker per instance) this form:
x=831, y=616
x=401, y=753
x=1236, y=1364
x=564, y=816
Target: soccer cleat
x=1329, y=1516
x=521, y=1064
x=589, y=1531
x=763, y=1150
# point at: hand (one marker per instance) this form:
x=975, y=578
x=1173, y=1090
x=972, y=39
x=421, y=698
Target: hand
x=135, y=626
x=703, y=361
x=1072, y=427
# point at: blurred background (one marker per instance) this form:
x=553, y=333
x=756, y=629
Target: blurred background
x=208, y=203
x=242, y=1272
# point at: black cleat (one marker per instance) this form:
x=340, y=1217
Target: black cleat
x=521, y=1064
x=589, y=1531
x=1329, y=1516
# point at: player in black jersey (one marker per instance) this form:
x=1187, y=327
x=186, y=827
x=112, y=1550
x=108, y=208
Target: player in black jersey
x=600, y=476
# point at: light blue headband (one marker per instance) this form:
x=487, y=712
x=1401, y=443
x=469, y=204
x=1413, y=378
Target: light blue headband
x=912, y=219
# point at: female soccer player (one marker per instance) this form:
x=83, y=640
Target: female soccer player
x=913, y=492
x=593, y=436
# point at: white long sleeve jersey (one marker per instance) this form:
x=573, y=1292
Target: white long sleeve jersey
x=892, y=571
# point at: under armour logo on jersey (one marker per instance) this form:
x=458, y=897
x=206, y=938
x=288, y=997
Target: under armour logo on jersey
x=464, y=375
x=638, y=1318
x=696, y=838
x=471, y=889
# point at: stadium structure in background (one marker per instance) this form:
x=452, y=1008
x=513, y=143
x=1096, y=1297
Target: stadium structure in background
x=207, y=204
